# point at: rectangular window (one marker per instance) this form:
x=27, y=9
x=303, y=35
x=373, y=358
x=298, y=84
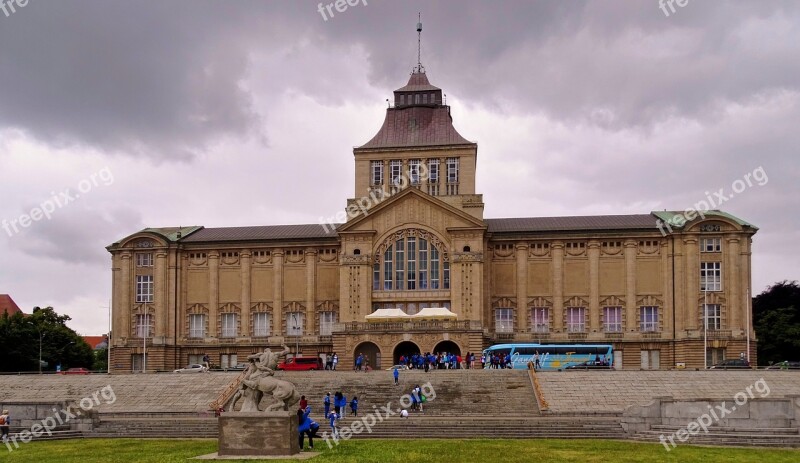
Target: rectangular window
x=713, y=316
x=294, y=323
x=711, y=245
x=261, y=324
x=197, y=326
x=576, y=319
x=423, y=264
x=648, y=317
x=504, y=320
x=433, y=177
x=715, y=355
x=540, y=320
x=399, y=264
x=446, y=274
x=396, y=167
x=425, y=98
x=228, y=327
x=710, y=276
x=376, y=276
x=377, y=172
x=144, y=326
x=612, y=319
x=326, y=321
x=413, y=171
x=434, y=268
x=387, y=269
x=228, y=360
x=144, y=259
x=411, y=259
x=144, y=288
x=452, y=170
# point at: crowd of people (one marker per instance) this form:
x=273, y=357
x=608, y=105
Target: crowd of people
x=499, y=361
x=335, y=409
x=332, y=361
x=438, y=361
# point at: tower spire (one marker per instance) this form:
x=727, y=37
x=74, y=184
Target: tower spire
x=419, y=68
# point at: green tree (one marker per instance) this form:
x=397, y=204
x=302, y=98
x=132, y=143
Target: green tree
x=776, y=319
x=21, y=337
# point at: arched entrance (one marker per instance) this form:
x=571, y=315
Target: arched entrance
x=447, y=346
x=371, y=351
x=405, y=348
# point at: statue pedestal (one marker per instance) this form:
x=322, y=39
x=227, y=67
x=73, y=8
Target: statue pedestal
x=258, y=434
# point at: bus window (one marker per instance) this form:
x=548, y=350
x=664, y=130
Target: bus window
x=505, y=351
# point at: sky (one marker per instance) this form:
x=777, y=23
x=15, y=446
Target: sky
x=119, y=115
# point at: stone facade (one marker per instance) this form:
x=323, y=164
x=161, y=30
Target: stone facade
x=414, y=236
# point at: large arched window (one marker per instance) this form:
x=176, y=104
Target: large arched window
x=411, y=260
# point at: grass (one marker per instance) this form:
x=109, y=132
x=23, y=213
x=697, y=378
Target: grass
x=398, y=451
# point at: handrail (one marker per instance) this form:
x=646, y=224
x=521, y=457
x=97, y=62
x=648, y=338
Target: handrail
x=537, y=389
x=228, y=392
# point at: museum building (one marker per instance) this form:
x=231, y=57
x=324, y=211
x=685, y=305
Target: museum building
x=415, y=267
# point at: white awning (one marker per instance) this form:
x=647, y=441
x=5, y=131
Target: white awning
x=387, y=314
x=434, y=313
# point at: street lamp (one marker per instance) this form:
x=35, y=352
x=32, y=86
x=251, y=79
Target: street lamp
x=297, y=335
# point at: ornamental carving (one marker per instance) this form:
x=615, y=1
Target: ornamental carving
x=295, y=256
x=504, y=302
x=613, y=301
x=576, y=301
x=539, y=250
x=467, y=257
x=144, y=244
x=363, y=259
x=503, y=250
x=412, y=232
x=650, y=301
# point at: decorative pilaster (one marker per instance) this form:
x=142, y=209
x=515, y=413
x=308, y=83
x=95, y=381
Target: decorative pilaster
x=731, y=282
x=630, y=286
x=277, y=307
x=245, y=257
x=311, y=290
x=691, y=282
x=521, y=324
x=213, y=293
x=160, y=289
x=594, y=285
x=125, y=305
x=557, y=250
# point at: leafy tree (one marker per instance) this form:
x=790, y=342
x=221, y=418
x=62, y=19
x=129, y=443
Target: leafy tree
x=776, y=319
x=22, y=335
x=100, y=360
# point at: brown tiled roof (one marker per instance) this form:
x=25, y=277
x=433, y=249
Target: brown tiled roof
x=270, y=232
x=418, y=82
x=93, y=341
x=7, y=305
x=574, y=223
x=417, y=126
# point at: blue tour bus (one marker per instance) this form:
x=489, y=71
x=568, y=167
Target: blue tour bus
x=554, y=356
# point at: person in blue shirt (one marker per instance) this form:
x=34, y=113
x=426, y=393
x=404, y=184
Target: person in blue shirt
x=359, y=359
x=306, y=426
x=354, y=406
x=333, y=418
x=396, y=376
x=327, y=403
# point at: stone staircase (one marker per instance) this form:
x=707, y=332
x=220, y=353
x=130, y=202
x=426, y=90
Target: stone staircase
x=717, y=435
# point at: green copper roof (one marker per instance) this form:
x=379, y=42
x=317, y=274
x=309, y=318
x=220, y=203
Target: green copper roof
x=670, y=217
x=171, y=233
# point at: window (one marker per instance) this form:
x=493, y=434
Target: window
x=648, y=319
x=540, y=320
x=228, y=325
x=711, y=245
x=651, y=359
x=612, y=319
x=576, y=319
x=144, y=325
x=713, y=316
x=376, y=168
x=504, y=320
x=228, y=360
x=395, y=172
x=425, y=98
x=710, y=276
x=326, y=321
x=715, y=355
x=197, y=326
x=413, y=171
x=261, y=324
x=144, y=259
x=144, y=288
x=411, y=263
x=452, y=176
x=433, y=177
x=294, y=324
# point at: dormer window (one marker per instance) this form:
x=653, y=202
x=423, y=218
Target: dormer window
x=402, y=100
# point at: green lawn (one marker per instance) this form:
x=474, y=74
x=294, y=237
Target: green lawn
x=394, y=451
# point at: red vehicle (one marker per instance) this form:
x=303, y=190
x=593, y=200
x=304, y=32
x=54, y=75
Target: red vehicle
x=301, y=364
x=76, y=371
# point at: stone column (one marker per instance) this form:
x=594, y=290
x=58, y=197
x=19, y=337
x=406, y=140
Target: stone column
x=160, y=283
x=277, y=309
x=679, y=281
x=557, y=250
x=311, y=291
x=594, y=285
x=692, y=282
x=630, y=286
x=520, y=322
x=731, y=283
x=213, y=293
x=126, y=304
x=245, y=270
x=666, y=278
